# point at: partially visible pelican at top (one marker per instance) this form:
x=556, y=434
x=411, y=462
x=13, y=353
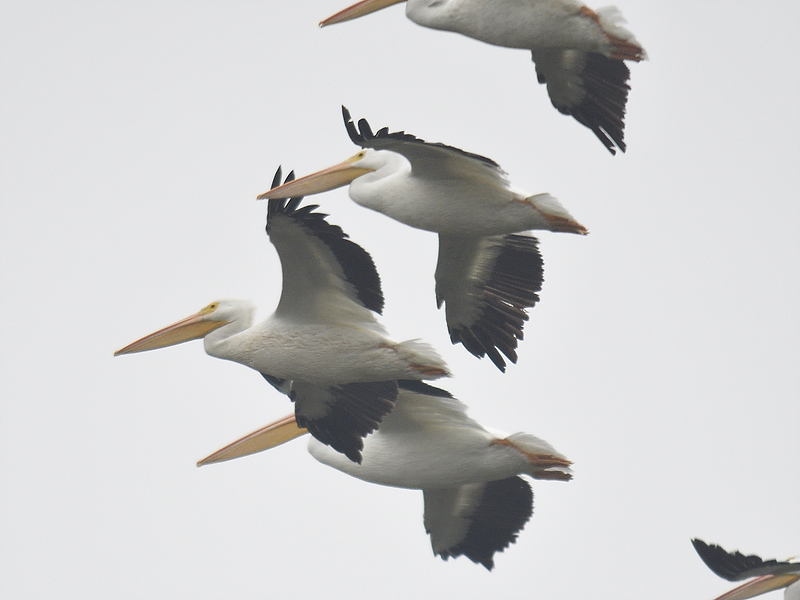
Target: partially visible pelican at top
x=579, y=53
x=765, y=575
x=487, y=272
x=475, y=503
x=323, y=346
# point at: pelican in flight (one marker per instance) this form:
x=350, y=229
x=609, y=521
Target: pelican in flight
x=579, y=53
x=488, y=272
x=475, y=501
x=323, y=346
x=765, y=575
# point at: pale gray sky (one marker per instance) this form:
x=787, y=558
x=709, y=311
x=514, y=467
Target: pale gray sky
x=662, y=359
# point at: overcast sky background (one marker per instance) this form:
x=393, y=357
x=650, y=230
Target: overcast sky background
x=662, y=358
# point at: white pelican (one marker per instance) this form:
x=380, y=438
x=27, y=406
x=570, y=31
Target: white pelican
x=475, y=503
x=323, y=345
x=487, y=274
x=579, y=53
x=767, y=575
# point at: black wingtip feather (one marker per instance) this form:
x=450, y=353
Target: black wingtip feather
x=603, y=109
x=728, y=565
x=356, y=410
x=420, y=387
x=275, y=382
x=365, y=129
x=281, y=205
x=364, y=137
x=605, y=85
x=504, y=509
x=350, y=126
x=514, y=285
x=276, y=180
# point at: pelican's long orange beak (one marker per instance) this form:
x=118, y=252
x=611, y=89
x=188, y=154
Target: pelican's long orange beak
x=321, y=181
x=191, y=328
x=269, y=436
x=359, y=9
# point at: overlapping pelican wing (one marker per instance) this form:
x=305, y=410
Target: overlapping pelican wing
x=478, y=519
x=486, y=284
x=428, y=159
x=327, y=277
x=324, y=273
x=590, y=87
x=341, y=415
x=735, y=566
x=762, y=575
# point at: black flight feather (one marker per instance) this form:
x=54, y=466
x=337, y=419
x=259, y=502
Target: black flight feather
x=355, y=410
x=513, y=285
x=364, y=137
x=504, y=508
x=735, y=566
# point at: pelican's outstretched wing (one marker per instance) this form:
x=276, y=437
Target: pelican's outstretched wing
x=735, y=566
x=486, y=284
x=590, y=87
x=764, y=575
x=428, y=159
x=477, y=520
x=341, y=415
x=325, y=275
x=327, y=278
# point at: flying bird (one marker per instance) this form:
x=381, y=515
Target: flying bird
x=475, y=502
x=323, y=345
x=765, y=575
x=579, y=53
x=487, y=272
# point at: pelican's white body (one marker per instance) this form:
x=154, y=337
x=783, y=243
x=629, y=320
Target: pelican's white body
x=430, y=443
x=320, y=353
x=455, y=196
x=524, y=24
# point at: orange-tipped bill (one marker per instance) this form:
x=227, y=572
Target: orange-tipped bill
x=274, y=434
x=321, y=181
x=190, y=328
x=359, y=9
